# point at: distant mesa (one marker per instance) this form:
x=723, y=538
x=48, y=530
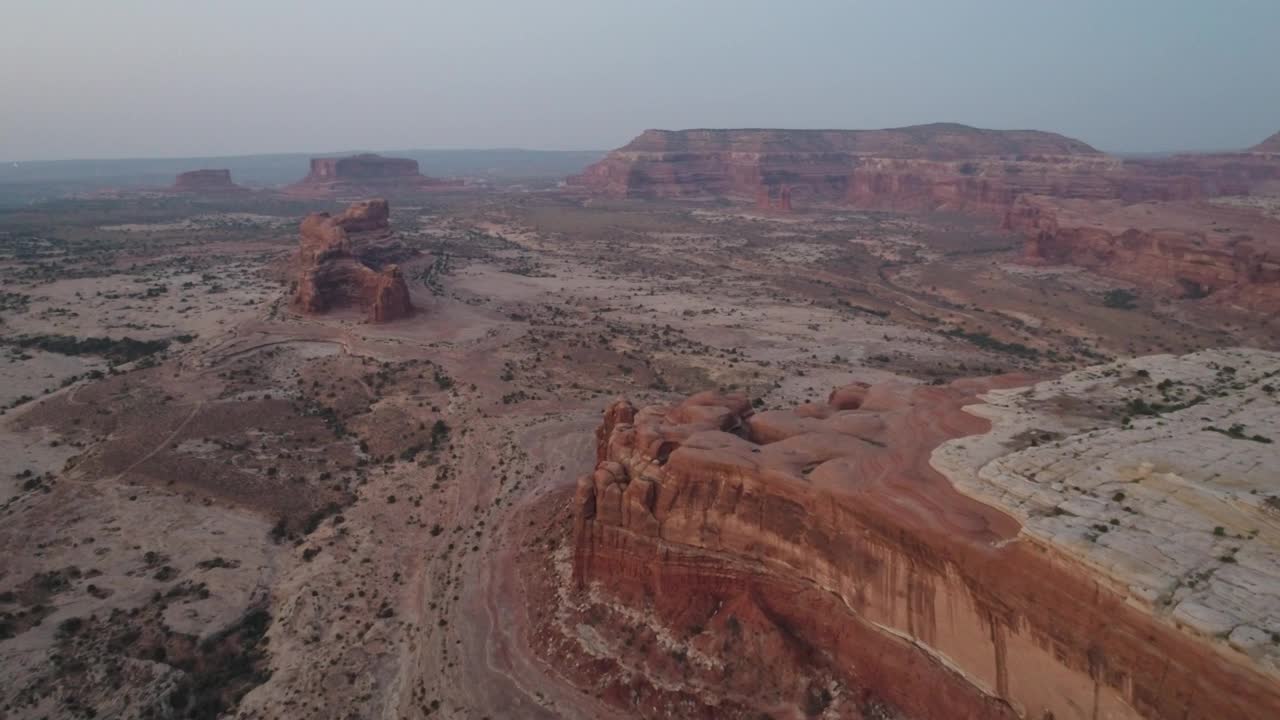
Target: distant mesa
x=935, y=141
x=942, y=166
x=348, y=261
x=1270, y=145
x=365, y=172
x=206, y=181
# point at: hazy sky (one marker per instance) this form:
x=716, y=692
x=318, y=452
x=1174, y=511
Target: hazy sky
x=136, y=78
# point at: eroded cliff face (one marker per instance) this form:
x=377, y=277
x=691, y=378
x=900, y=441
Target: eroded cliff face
x=335, y=272
x=826, y=526
x=927, y=166
x=1192, y=251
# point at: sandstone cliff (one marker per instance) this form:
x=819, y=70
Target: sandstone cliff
x=333, y=271
x=826, y=527
x=940, y=166
x=206, y=181
x=1185, y=250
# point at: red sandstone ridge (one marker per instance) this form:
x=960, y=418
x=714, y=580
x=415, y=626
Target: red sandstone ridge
x=825, y=530
x=334, y=272
x=1190, y=250
x=206, y=181
x=365, y=173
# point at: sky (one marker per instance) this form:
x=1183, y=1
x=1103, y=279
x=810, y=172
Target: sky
x=158, y=78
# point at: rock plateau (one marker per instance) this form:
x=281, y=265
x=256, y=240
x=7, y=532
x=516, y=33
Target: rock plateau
x=206, y=181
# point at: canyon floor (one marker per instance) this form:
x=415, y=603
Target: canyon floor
x=243, y=510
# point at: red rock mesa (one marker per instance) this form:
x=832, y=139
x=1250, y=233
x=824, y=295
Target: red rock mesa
x=206, y=181
x=365, y=173
x=334, y=270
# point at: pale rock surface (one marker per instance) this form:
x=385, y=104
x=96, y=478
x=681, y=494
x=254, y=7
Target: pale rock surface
x=1183, y=518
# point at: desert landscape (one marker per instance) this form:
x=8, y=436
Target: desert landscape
x=652, y=451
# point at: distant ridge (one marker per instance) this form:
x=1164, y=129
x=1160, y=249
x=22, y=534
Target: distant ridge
x=1270, y=145
x=934, y=141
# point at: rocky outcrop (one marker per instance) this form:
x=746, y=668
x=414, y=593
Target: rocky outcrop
x=1270, y=145
x=1190, y=251
x=206, y=181
x=827, y=527
x=365, y=173
x=339, y=264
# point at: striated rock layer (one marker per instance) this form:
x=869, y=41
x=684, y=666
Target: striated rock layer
x=1187, y=250
x=334, y=271
x=206, y=181
x=939, y=166
x=925, y=166
x=829, y=524
x=365, y=173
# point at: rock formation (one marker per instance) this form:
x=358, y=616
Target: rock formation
x=779, y=202
x=206, y=181
x=365, y=173
x=914, y=167
x=940, y=166
x=826, y=528
x=336, y=270
x=1184, y=250
x=1270, y=145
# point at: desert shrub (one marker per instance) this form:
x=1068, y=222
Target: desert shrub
x=1120, y=299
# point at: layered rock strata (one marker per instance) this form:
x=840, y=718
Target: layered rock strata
x=923, y=166
x=338, y=264
x=831, y=522
x=938, y=166
x=1185, y=250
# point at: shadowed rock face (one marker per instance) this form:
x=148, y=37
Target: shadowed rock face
x=827, y=524
x=206, y=181
x=334, y=272
x=1195, y=251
